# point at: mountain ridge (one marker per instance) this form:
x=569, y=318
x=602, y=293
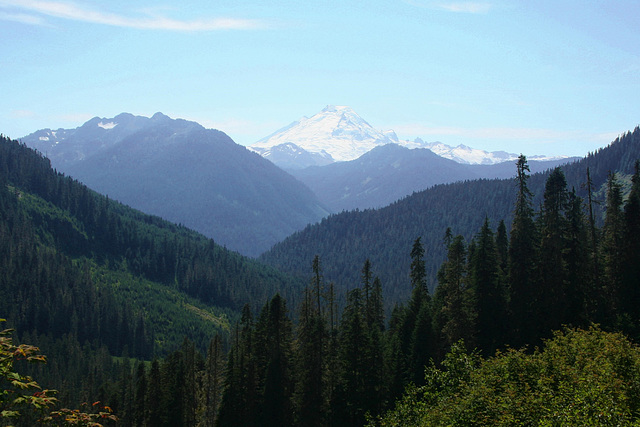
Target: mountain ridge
x=390, y=172
x=187, y=174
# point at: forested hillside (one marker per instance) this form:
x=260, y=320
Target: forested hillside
x=80, y=271
x=345, y=240
x=463, y=355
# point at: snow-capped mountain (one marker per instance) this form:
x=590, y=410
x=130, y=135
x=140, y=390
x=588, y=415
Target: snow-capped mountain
x=473, y=156
x=336, y=133
x=467, y=155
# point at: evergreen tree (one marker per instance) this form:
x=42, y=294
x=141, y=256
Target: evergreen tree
x=174, y=388
x=355, y=392
x=213, y=382
x=418, y=273
x=395, y=360
x=551, y=292
x=140, y=408
x=486, y=282
x=580, y=284
x=417, y=331
x=522, y=262
x=274, y=338
x=456, y=318
x=595, y=302
x=155, y=401
x=630, y=281
x=502, y=245
x=612, y=243
x=310, y=392
x=190, y=382
x=240, y=398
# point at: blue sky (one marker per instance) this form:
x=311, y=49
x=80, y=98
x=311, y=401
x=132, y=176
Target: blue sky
x=537, y=77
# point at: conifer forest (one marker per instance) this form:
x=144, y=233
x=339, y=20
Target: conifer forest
x=531, y=319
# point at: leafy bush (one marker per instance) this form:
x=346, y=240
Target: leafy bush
x=580, y=378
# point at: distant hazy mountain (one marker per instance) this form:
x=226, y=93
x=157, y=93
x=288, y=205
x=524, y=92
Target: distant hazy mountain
x=339, y=134
x=391, y=172
x=185, y=173
x=473, y=156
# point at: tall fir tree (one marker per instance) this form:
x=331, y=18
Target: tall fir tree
x=580, y=285
x=612, y=244
x=456, y=315
x=240, y=398
x=522, y=262
x=417, y=327
x=274, y=353
x=630, y=280
x=354, y=394
x=502, y=246
x=489, y=292
x=310, y=397
x=214, y=375
x=551, y=292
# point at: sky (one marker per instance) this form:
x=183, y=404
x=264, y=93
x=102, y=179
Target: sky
x=534, y=77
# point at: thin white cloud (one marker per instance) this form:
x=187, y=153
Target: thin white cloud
x=453, y=6
x=75, y=12
x=22, y=114
x=22, y=18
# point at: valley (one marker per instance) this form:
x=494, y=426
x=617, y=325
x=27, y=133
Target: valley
x=343, y=296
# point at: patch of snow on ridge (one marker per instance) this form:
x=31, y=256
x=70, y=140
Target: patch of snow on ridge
x=107, y=126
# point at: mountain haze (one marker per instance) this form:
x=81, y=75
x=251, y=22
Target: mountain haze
x=184, y=173
x=390, y=172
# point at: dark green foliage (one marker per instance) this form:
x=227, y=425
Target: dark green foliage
x=487, y=288
x=240, y=399
x=580, y=287
x=361, y=384
x=310, y=398
x=630, y=280
x=551, y=289
x=274, y=356
x=612, y=247
x=213, y=381
x=354, y=392
x=454, y=298
x=410, y=335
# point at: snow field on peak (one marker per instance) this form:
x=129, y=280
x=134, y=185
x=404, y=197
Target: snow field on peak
x=109, y=125
x=336, y=130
